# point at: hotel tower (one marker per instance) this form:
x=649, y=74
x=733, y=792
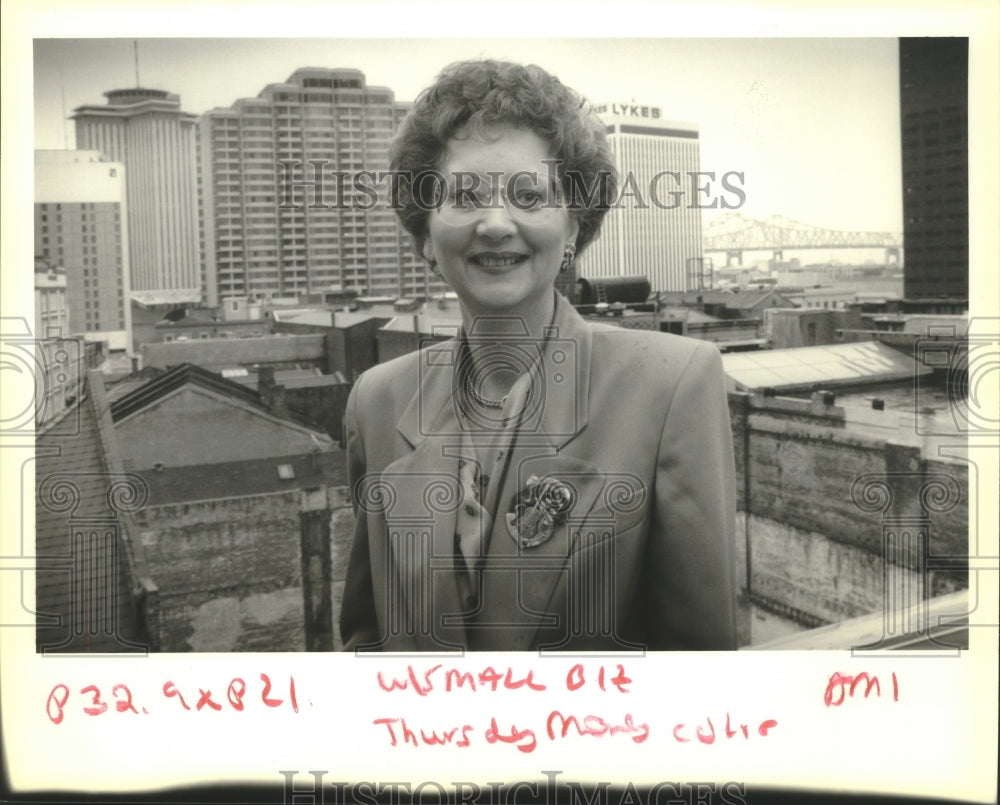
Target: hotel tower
x=146, y=131
x=654, y=230
x=283, y=216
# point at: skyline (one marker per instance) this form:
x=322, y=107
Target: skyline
x=812, y=123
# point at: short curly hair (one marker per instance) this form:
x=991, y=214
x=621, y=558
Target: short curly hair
x=481, y=94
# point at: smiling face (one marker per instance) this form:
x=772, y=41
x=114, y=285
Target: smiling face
x=499, y=263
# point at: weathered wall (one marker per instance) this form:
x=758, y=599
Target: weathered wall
x=230, y=572
x=278, y=351
x=341, y=536
x=816, y=547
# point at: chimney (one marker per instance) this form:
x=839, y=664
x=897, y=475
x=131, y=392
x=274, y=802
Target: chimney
x=265, y=380
x=275, y=401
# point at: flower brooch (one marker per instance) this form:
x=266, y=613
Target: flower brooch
x=537, y=509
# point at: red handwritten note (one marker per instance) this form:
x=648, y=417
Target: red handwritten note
x=237, y=695
x=616, y=723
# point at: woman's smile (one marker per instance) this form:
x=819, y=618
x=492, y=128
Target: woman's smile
x=497, y=262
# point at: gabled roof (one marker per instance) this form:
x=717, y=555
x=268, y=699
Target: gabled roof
x=188, y=374
x=175, y=378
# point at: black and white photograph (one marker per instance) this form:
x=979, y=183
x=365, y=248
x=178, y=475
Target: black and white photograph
x=497, y=369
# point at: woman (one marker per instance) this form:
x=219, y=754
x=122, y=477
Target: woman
x=539, y=481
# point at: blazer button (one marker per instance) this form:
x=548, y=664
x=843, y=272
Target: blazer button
x=470, y=510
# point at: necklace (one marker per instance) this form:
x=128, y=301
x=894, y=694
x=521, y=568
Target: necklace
x=479, y=398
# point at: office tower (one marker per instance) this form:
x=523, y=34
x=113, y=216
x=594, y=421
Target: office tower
x=933, y=98
x=81, y=226
x=655, y=229
x=282, y=214
x=146, y=130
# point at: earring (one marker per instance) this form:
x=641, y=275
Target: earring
x=432, y=265
x=569, y=254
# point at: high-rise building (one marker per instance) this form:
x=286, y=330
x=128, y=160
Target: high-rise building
x=146, y=130
x=655, y=227
x=282, y=212
x=933, y=98
x=81, y=227
x=51, y=312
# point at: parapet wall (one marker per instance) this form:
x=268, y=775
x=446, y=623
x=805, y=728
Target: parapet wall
x=818, y=501
x=248, y=573
x=213, y=353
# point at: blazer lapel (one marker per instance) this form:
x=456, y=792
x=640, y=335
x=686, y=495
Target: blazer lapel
x=422, y=494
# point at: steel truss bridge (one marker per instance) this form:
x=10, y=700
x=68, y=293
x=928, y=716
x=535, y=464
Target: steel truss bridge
x=735, y=233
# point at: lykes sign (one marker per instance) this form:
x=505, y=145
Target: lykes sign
x=629, y=110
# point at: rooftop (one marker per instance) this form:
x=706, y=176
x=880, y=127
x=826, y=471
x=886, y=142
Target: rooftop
x=244, y=478
x=444, y=324
x=737, y=300
x=287, y=378
x=159, y=387
x=323, y=318
x=116, y=340
x=181, y=296
x=806, y=368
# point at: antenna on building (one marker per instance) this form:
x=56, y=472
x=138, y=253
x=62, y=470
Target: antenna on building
x=135, y=48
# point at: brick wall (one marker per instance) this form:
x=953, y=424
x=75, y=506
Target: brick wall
x=815, y=548
x=229, y=572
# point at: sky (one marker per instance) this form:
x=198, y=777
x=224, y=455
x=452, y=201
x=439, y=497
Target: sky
x=812, y=123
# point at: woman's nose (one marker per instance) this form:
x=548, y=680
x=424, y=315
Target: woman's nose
x=496, y=222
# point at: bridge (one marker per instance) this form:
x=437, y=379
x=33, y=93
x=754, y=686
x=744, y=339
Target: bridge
x=735, y=233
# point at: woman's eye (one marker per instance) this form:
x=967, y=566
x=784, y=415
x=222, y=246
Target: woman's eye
x=529, y=198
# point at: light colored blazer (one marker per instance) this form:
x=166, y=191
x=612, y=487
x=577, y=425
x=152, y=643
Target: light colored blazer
x=635, y=422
